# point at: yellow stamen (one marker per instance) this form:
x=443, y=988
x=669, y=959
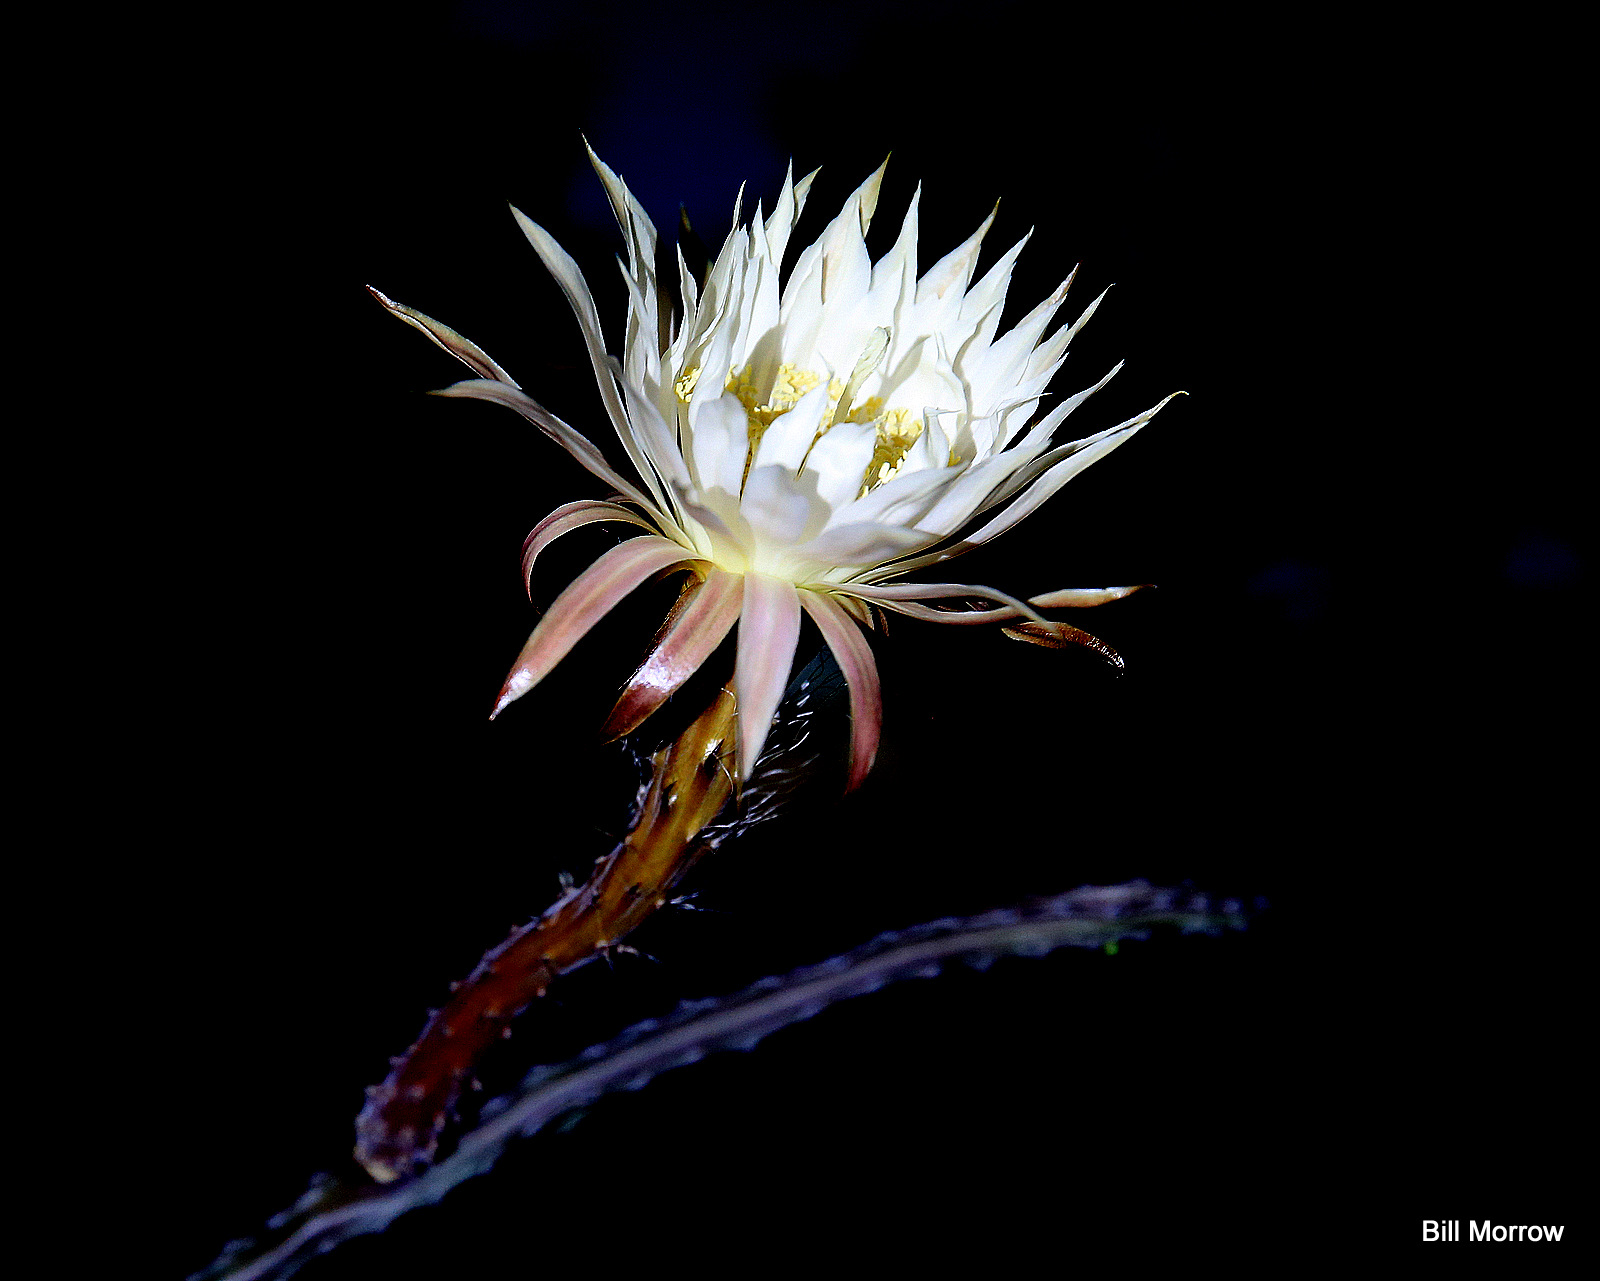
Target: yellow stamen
x=787, y=389
x=685, y=385
x=898, y=429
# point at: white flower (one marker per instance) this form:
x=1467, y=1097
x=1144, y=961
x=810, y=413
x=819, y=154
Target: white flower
x=797, y=444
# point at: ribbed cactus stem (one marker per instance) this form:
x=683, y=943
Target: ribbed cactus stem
x=691, y=780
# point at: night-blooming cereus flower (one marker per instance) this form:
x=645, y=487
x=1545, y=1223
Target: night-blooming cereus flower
x=797, y=445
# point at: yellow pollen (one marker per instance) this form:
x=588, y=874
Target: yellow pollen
x=787, y=389
x=685, y=385
x=898, y=429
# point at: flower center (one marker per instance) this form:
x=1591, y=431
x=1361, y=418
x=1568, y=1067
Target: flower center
x=897, y=429
x=787, y=389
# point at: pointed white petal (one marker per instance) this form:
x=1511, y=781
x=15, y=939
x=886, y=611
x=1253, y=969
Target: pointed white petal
x=1042, y=462
x=1064, y=471
x=631, y=217
x=1006, y=362
x=468, y=353
x=784, y=215
x=954, y=270
x=567, y=274
x=896, y=272
x=984, y=301
x=1052, y=350
x=567, y=437
x=720, y=443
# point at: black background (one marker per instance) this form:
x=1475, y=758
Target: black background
x=1347, y=696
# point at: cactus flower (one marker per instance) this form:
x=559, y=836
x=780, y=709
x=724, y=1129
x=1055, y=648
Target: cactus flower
x=798, y=445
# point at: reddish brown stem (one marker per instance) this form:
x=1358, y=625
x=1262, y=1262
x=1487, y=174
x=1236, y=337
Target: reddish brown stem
x=398, y=1130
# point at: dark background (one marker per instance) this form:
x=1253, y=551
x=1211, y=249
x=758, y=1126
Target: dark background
x=1347, y=696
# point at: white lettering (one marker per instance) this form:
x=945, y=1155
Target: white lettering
x=1430, y=1230
x=1491, y=1231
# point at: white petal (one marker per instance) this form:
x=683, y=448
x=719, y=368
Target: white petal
x=985, y=299
x=724, y=525
x=895, y=274
x=1046, y=425
x=839, y=461
x=1058, y=466
x=468, y=353
x=780, y=507
x=901, y=500
x=865, y=543
x=652, y=428
x=646, y=325
x=569, y=438
x=954, y=270
x=786, y=441
x=1053, y=350
x=631, y=217
x=784, y=215
x=1064, y=471
x=835, y=266
x=560, y=265
x=1005, y=363
x=961, y=499
x=642, y=359
x=720, y=443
